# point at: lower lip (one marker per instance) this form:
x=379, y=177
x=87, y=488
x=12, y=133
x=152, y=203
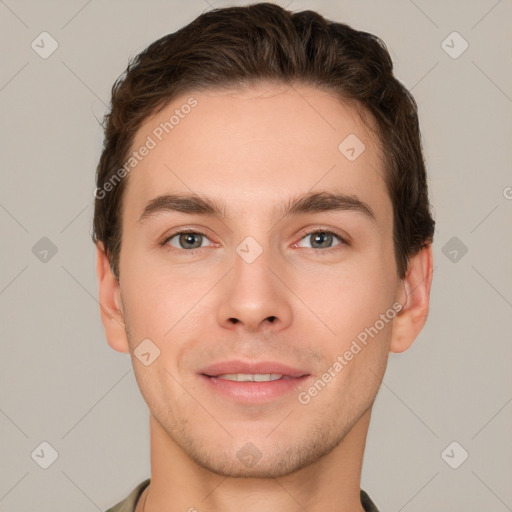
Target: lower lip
x=254, y=392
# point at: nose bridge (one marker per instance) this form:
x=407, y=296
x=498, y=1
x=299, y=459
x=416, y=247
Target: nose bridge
x=251, y=264
x=254, y=296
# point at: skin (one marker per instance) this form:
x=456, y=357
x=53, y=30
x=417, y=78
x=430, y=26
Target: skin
x=253, y=150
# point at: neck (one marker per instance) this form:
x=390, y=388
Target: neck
x=330, y=483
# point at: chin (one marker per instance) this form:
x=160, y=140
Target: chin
x=260, y=458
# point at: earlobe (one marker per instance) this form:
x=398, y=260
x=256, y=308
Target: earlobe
x=112, y=314
x=414, y=295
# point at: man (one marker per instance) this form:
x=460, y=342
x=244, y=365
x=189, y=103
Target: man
x=264, y=237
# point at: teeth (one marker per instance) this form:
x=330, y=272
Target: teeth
x=250, y=377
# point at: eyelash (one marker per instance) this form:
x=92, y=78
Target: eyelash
x=342, y=240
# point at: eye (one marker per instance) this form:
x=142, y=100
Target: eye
x=323, y=239
x=186, y=240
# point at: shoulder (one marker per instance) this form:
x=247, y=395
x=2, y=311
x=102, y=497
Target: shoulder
x=367, y=503
x=129, y=503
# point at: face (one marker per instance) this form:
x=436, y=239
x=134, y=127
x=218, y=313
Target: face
x=264, y=281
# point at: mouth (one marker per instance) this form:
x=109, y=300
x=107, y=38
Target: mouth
x=252, y=382
x=251, y=377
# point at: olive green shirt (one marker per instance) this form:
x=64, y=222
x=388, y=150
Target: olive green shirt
x=128, y=504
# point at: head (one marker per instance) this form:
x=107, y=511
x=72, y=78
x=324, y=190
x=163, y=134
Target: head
x=245, y=110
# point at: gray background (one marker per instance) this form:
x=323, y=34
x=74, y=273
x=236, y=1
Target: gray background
x=61, y=383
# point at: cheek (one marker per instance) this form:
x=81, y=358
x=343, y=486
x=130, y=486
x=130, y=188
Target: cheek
x=348, y=299
x=149, y=312
x=346, y=296
x=170, y=313
x=156, y=300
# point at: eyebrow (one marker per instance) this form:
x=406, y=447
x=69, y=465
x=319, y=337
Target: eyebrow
x=313, y=202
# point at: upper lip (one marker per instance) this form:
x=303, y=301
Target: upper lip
x=254, y=367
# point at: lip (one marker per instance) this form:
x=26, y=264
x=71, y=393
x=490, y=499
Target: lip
x=263, y=367
x=253, y=392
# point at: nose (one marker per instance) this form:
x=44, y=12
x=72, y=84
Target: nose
x=255, y=295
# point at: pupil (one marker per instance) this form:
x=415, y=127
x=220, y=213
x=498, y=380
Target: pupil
x=320, y=236
x=188, y=238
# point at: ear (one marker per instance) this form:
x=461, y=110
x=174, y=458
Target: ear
x=414, y=295
x=112, y=314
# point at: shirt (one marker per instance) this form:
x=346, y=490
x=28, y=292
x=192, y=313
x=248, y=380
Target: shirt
x=129, y=503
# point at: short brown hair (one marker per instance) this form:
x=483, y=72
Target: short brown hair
x=240, y=46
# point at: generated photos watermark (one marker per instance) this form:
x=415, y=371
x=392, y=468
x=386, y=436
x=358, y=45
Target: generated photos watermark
x=151, y=142
x=304, y=397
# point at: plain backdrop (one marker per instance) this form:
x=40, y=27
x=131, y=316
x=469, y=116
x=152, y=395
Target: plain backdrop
x=61, y=384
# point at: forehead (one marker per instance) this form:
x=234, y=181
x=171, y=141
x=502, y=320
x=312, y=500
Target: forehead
x=254, y=146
